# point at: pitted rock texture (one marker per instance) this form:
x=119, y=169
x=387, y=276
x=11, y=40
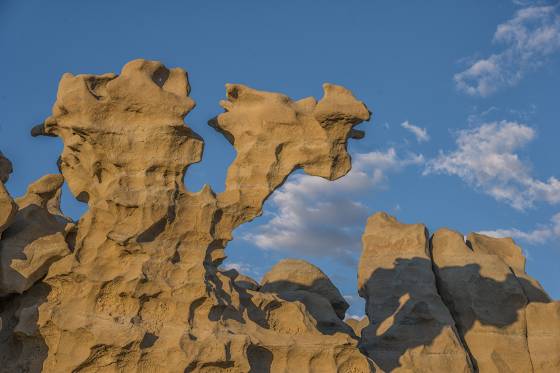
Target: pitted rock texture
x=141, y=290
x=136, y=284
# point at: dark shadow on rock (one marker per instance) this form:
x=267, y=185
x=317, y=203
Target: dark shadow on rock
x=324, y=312
x=407, y=320
x=260, y=359
x=22, y=348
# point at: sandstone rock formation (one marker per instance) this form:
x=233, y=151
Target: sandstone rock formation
x=298, y=275
x=35, y=238
x=450, y=304
x=137, y=285
x=8, y=207
x=358, y=325
x=140, y=289
x=410, y=326
x=297, y=280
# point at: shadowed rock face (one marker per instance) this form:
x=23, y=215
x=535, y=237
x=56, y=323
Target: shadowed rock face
x=8, y=207
x=410, y=326
x=135, y=284
x=141, y=289
x=447, y=304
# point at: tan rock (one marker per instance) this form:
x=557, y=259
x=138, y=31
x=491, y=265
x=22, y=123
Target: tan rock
x=246, y=282
x=358, y=324
x=411, y=329
x=36, y=237
x=8, y=207
x=5, y=168
x=295, y=274
x=483, y=281
x=543, y=335
x=142, y=291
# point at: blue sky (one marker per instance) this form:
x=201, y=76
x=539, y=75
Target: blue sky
x=464, y=94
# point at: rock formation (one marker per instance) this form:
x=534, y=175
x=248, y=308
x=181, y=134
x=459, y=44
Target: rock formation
x=140, y=289
x=449, y=304
x=136, y=284
x=410, y=326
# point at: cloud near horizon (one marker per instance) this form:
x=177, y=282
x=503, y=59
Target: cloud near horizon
x=323, y=218
x=529, y=38
x=538, y=235
x=486, y=158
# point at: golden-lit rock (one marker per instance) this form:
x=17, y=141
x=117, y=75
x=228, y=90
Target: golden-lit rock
x=411, y=329
x=141, y=290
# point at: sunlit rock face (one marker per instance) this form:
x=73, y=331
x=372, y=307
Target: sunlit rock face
x=446, y=303
x=138, y=287
x=410, y=326
x=136, y=284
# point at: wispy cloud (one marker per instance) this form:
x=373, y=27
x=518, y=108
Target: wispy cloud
x=324, y=218
x=486, y=158
x=243, y=268
x=529, y=38
x=539, y=235
x=420, y=133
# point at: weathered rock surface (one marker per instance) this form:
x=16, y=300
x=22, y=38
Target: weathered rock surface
x=8, y=207
x=543, y=336
x=297, y=280
x=295, y=274
x=410, y=327
x=141, y=290
x=35, y=238
x=136, y=286
x=450, y=304
x=483, y=281
x=358, y=324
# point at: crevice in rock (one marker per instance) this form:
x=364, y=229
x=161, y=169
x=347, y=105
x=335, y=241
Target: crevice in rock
x=449, y=307
x=525, y=316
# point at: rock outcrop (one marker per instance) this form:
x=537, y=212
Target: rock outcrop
x=140, y=289
x=8, y=207
x=36, y=236
x=410, y=326
x=137, y=285
x=453, y=304
x=298, y=275
x=299, y=281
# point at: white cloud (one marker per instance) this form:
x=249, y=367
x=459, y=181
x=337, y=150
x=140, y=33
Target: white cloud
x=531, y=36
x=486, y=158
x=238, y=266
x=323, y=218
x=420, y=133
x=539, y=235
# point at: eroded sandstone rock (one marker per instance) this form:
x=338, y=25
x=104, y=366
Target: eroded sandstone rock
x=296, y=274
x=136, y=286
x=141, y=290
x=8, y=207
x=35, y=238
x=543, y=336
x=410, y=327
x=358, y=325
x=483, y=281
x=298, y=280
